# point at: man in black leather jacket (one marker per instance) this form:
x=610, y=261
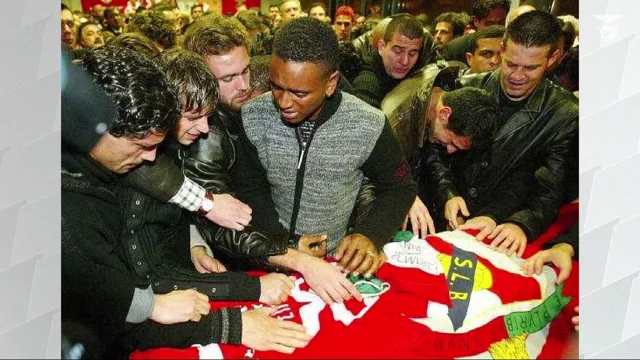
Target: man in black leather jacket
x=530, y=169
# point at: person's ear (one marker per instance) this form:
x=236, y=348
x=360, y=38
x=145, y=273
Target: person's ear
x=469, y=56
x=380, y=46
x=332, y=84
x=554, y=58
x=443, y=114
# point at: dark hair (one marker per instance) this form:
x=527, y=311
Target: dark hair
x=406, y=25
x=482, y=7
x=137, y=42
x=307, y=40
x=569, y=70
x=568, y=33
x=320, y=4
x=215, y=35
x=259, y=70
x=473, y=113
x=534, y=28
x=82, y=26
x=153, y=25
x=144, y=100
x=191, y=78
x=64, y=7
x=349, y=60
x=490, y=32
x=195, y=6
x=456, y=21
x=108, y=13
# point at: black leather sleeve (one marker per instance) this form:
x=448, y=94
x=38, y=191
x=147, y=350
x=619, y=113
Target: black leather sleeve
x=209, y=160
x=209, y=164
x=542, y=207
x=161, y=179
x=252, y=245
x=436, y=175
x=511, y=196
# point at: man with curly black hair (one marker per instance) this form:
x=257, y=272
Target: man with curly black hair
x=302, y=155
x=125, y=271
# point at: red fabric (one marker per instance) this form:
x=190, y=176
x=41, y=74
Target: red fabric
x=385, y=331
x=88, y=4
x=166, y=353
x=229, y=6
x=416, y=282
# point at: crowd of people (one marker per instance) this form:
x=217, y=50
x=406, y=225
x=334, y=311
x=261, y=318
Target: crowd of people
x=196, y=149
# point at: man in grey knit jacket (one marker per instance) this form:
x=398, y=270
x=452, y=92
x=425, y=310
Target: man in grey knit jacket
x=305, y=149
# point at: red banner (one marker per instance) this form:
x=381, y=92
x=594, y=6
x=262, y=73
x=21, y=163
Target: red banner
x=229, y=6
x=88, y=4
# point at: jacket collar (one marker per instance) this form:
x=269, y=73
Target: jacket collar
x=529, y=111
x=377, y=66
x=445, y=78
x=82, y=174
x=331, y=105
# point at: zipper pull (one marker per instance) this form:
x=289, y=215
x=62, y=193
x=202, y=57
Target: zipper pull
x=304, y=146
x=300, y=160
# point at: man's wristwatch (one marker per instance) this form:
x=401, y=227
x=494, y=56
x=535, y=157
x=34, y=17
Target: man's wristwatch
x=207, y=204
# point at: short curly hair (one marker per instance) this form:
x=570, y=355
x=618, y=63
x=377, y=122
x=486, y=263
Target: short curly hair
x=144, y=100
x=191, y=78
x=307, y=40
x=215, y=35
x=153, y=25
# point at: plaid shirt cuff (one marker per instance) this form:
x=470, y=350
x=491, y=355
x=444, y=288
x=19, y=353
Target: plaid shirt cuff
x=190, y=195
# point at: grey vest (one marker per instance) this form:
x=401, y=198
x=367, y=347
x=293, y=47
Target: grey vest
x=332, y=174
